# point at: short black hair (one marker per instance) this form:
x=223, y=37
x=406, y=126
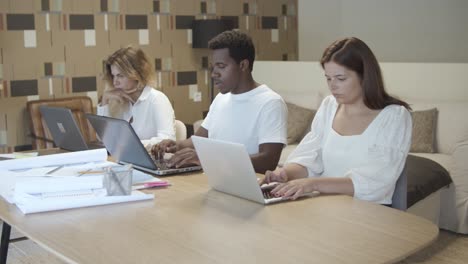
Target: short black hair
x=240, y=46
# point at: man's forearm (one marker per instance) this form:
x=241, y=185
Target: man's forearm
x=186, y=143
x=263, y=162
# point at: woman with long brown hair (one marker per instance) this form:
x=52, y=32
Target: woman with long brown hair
x=360, y=136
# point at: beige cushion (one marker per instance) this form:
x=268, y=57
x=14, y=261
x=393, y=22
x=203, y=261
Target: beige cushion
x=424, y=127
x=299, y=119
x=452, y=124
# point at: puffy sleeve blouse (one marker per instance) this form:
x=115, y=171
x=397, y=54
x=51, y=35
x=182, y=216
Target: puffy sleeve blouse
x=373, y=160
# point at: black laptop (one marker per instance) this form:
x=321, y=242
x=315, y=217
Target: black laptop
x=64, y=129
x=124, y=145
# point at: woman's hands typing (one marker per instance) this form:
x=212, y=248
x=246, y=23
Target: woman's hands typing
x=292, y=179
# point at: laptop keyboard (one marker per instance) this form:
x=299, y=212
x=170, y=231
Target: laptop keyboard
x=267, y=194
x=160, y=163
x=266, y=190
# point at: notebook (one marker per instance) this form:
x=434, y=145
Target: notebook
x=232, y=172
x=124, y=145
x=64, y=129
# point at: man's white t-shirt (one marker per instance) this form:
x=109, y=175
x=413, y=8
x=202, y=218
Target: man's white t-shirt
x=152, y=116
x=256, y=117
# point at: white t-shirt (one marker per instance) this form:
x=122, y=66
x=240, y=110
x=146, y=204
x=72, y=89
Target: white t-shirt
x=252, y=118
x=373, y=160
x=153, y=116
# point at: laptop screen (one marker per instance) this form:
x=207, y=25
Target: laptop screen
x=121, y=140
x=63, y=128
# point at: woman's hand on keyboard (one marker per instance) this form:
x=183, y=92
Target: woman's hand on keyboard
x=295, y=188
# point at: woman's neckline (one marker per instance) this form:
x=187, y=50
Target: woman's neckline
x=353, y=135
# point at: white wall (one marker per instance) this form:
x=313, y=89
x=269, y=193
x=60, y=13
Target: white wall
x=304, y=83
x=396, y=30
x=298, y=82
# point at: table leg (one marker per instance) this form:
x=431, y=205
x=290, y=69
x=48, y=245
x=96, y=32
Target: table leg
x=6, y=230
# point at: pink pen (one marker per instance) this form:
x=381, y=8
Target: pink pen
x=156, y=184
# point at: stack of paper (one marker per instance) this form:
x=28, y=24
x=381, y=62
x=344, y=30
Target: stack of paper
x=49, y=194
x=61, y=181
x=55, y=160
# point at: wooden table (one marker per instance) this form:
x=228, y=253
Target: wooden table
x=189, y=223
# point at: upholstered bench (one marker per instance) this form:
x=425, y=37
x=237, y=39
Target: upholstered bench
x=425, y=177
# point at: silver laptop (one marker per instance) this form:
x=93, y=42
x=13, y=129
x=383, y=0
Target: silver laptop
x=232, y=172
x=64, y=129
x=124, y=145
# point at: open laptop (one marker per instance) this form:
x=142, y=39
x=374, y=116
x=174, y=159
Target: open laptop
x=64, y=129
x=124, y=145
x=232, y=171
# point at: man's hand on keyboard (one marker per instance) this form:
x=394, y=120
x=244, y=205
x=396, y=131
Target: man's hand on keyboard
x=165, y=146
x=184, y=158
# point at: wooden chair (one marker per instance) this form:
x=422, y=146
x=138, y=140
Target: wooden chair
x=79, y=105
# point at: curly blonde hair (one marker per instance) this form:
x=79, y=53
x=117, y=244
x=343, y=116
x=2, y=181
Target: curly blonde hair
x=133, y=63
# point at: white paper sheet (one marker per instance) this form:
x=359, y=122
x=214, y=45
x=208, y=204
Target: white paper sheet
x=74, y=170
x=8, y=155
x=25, y=186
x=50, y=194
x=19, y=155
x=7, y=186
x=53, y=204
x=46, y=185
x=55, y=159
x=9, y=179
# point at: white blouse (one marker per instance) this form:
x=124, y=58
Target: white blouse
x=153, y=116
x=373, y=160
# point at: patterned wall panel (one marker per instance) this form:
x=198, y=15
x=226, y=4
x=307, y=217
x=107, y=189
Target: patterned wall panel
x=56, y=48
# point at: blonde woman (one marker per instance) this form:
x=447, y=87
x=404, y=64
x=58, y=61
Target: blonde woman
x=130, y=95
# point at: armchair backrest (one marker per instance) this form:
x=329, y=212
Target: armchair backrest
x=197, y=125
x=79, y=105
x=180, y=130
x=399, y=198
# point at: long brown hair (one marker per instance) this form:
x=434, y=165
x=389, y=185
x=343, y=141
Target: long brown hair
x=355, y=55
